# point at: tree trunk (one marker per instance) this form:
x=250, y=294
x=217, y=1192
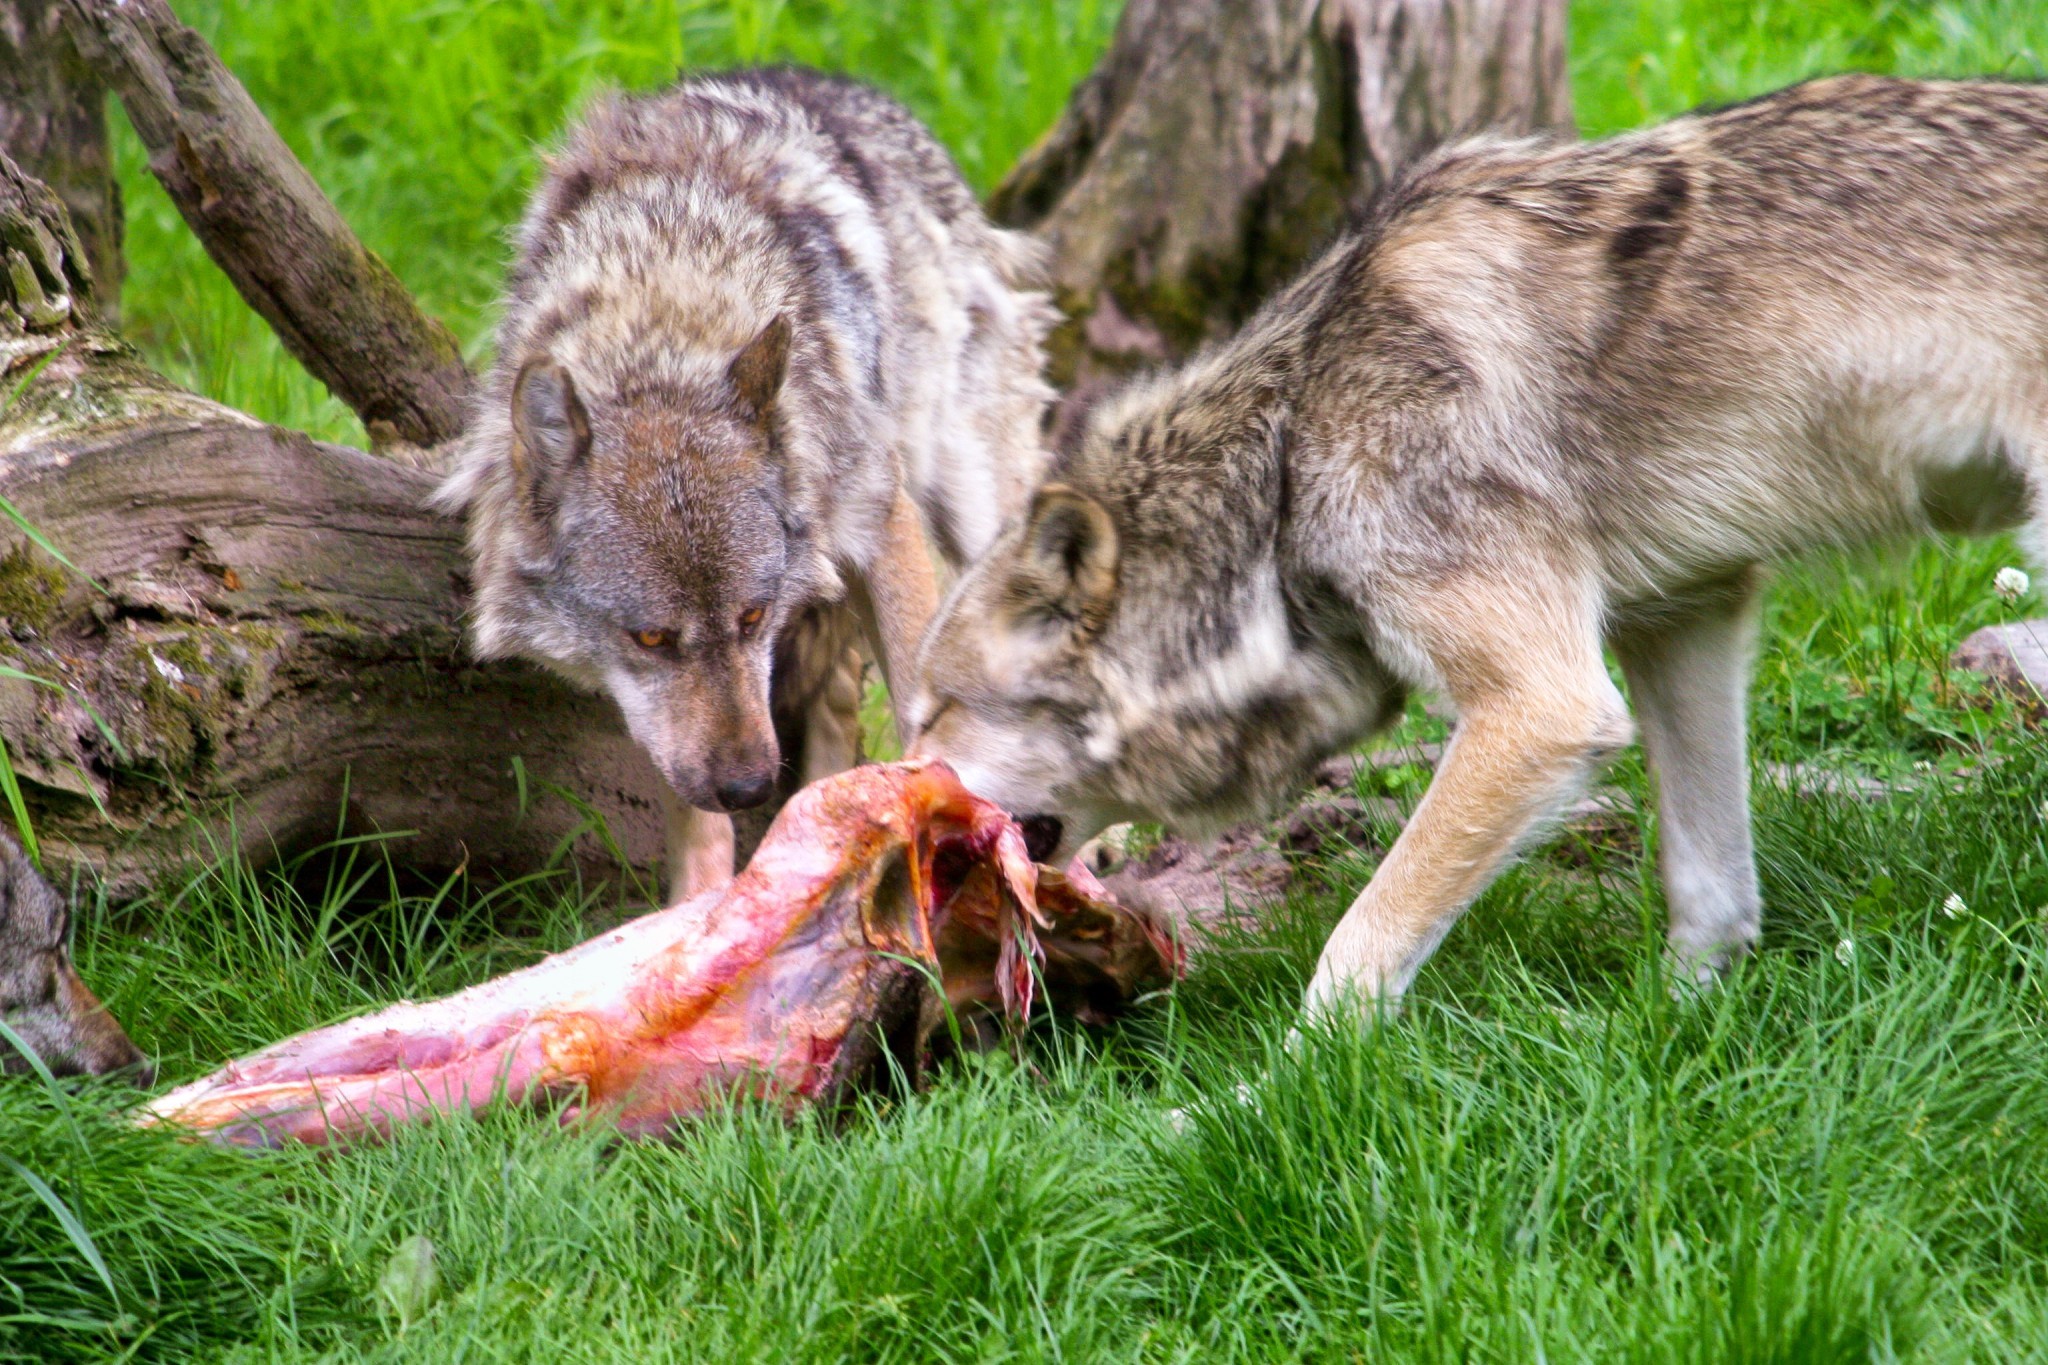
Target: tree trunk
x=275, y=634
x=1220, y=143
x=336, y=307
x=53, y=123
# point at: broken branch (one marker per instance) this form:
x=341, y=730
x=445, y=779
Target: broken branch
x=336, y=307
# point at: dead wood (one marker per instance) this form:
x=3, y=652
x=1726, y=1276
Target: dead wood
x=53, y=122
x=1219, y=143
x=45, y=278
x=276, y=626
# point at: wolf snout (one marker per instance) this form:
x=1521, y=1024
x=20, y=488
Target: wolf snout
x=744, y=791
x=731, y=782
x=99, y=1044
x=1042, y=836
x=71, y=1034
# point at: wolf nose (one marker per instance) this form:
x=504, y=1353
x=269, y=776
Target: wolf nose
x=1041, y=835
x=743, y=793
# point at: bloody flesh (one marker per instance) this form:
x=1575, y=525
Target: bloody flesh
x=791, y=982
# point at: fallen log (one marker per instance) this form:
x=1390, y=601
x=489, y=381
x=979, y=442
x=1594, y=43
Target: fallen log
x=252, y=639
x=793, y=983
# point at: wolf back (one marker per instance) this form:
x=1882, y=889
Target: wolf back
x=1546, y=396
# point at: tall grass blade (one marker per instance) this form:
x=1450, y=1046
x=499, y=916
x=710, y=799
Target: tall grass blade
x=69, y=1221
x=18, y=807
x=42, y=1069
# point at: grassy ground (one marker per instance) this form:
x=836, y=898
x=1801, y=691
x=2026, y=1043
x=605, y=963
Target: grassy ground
x=1835, y=1157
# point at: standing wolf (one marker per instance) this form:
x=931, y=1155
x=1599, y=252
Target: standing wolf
x=1546, y=396
x=758, y=341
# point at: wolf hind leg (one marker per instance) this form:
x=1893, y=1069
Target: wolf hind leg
x=1688, y=679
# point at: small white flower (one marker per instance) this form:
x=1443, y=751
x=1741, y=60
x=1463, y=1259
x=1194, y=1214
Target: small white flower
x=2011, y=584
x=1845, y=950
x=1954, y=907
x=2044, y=812
x=1178, y=1119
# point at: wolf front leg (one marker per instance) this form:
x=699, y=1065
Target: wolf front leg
x=897, y=597
x=1688, y=677
x=1537, y=715
x=832, y=720
x=699, y=850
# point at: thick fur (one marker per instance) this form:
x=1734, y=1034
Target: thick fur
x=42, y=1000
x=758, y=340
x=1547, y=397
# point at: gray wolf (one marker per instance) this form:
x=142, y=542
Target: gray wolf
x=1543, y=398
x=762, y=356
x=42, y=999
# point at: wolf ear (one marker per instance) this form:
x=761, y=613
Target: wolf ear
x=551, y=429
x=756, y=372
x=1066, y=570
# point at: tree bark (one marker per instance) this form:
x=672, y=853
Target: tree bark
x=53, y=123
x=45, y=281
x=336, y=307
x=274, y=642
x=1220, y=143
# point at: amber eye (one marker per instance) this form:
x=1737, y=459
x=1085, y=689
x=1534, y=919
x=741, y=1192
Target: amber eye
x=750, y=621
x=654, y=639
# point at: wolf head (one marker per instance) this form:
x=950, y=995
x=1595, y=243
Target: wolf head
x=41, y=998
x=1129, y=650
x=631, y=530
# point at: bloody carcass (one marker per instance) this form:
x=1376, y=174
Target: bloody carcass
x=885, y=906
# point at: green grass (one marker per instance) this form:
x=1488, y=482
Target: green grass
x=422, y=120
x=1837, y=1156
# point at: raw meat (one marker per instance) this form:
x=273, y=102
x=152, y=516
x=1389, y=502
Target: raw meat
x=793, y=982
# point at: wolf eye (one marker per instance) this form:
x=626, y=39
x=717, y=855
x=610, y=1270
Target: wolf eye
x=750, y=621
x=654, y=639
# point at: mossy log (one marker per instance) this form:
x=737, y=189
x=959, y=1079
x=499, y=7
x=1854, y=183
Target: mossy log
x=257, y=637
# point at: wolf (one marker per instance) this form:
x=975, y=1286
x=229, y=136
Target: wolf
x=762, y=361
x=1543, y=398
x=43, y=1002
